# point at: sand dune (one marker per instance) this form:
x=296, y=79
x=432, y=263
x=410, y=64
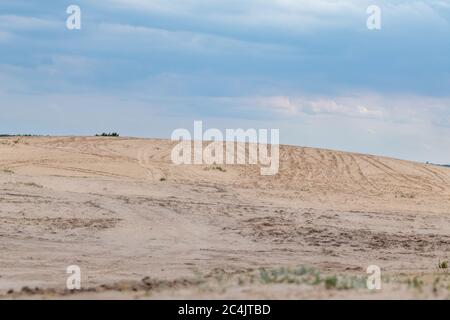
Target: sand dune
x=140, y=226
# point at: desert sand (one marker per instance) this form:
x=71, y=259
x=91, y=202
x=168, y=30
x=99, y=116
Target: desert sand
x=141, y=227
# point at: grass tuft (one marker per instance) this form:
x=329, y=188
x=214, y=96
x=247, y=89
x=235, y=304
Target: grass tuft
x=443, y=264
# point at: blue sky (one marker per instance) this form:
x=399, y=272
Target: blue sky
x=310, y=68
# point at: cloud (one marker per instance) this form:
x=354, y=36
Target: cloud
x=314, y=106
x=317, y=47
x=4, y=36
x=387, y=108
x=416, y=13
x=146, y=38
x=21, y=23
x=242, y=18
x=301, y=66
x=293, y=15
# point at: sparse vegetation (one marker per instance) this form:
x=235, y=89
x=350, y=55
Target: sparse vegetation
x=288, y=275
x=436, y=284
x=405, y=195
x=310, y=276
x=108, y=134
x=443, y=264
x=18, y=135
x=218, y=168
x=31, y=184
x=331, y=282
x=439, y=165
x=9, y=171
x=415, y=282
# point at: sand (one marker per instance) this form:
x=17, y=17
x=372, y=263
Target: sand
x=139, y=226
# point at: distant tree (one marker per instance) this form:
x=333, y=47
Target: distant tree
x=109, y=134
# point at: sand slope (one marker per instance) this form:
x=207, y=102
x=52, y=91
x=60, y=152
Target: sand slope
x=119, y=209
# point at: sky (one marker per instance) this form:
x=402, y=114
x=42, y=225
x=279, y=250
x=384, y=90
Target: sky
x=310, y=68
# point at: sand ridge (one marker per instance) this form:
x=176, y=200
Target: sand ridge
x=119, y=209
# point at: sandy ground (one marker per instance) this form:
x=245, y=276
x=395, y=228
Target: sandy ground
x=141, y=227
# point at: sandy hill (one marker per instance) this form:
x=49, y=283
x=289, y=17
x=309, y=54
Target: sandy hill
x=119, y=209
